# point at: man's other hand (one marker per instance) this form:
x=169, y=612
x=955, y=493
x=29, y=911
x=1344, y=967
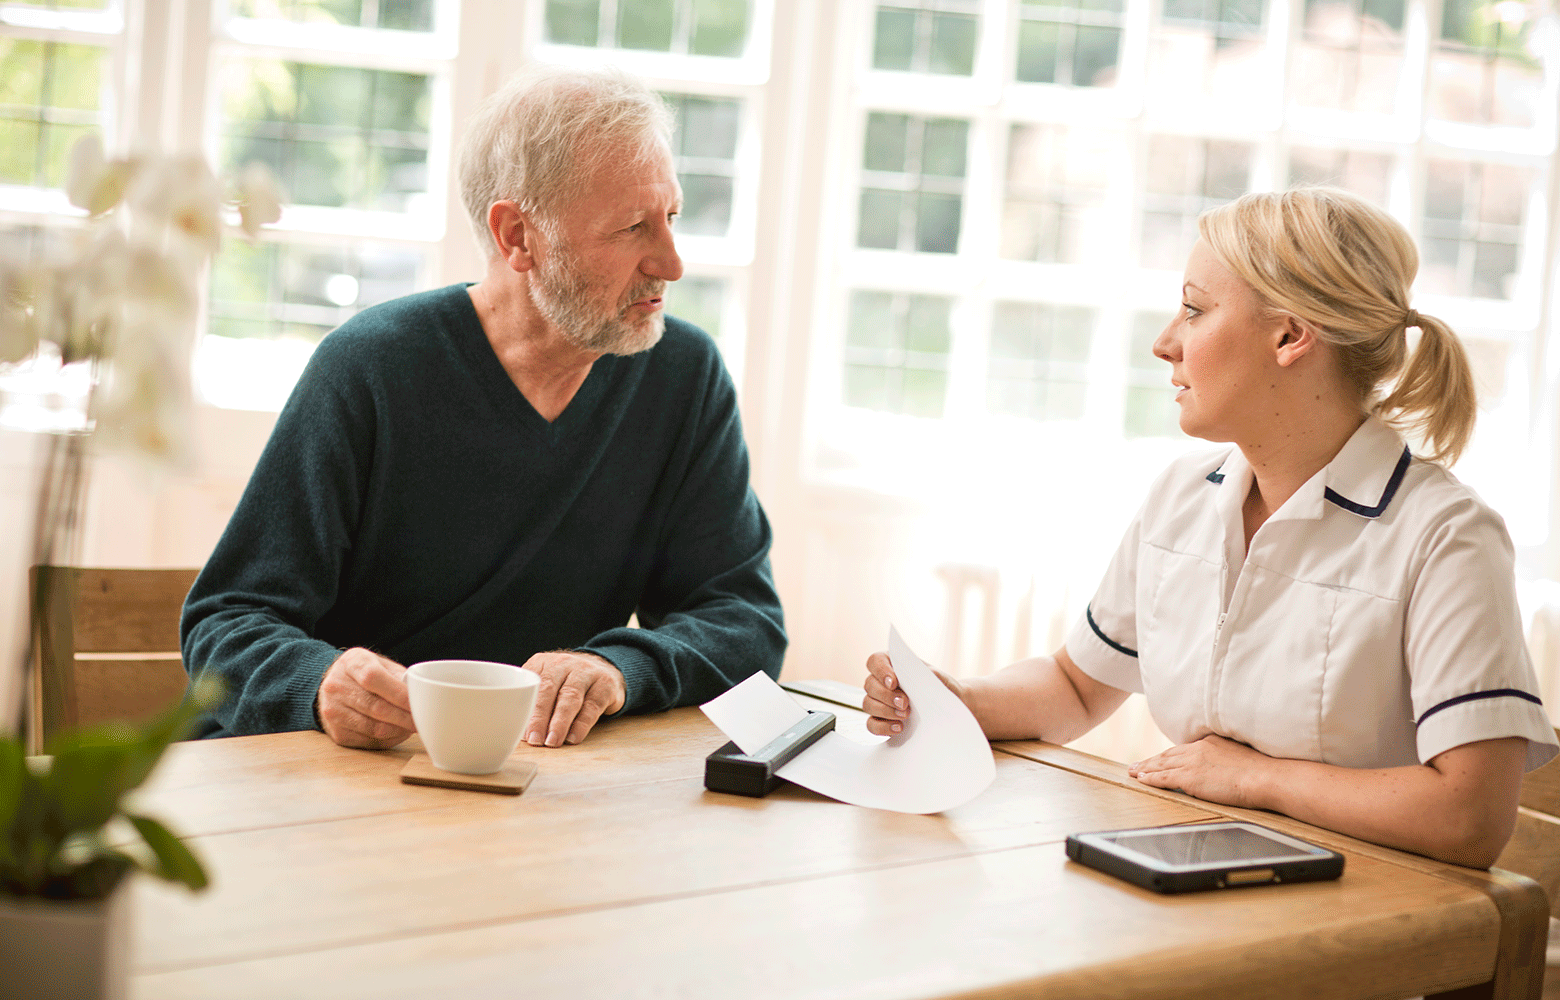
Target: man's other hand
x=362, y=701
x=576, y=690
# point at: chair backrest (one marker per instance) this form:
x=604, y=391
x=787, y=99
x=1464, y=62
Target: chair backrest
x=1534, y=849
x=107, y=645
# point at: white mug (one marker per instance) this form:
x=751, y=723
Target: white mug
x=469, y=713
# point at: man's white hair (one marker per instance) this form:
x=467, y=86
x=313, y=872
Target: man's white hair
x=543, y=134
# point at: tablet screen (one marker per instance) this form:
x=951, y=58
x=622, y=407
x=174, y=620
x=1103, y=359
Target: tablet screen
x=1207, y=845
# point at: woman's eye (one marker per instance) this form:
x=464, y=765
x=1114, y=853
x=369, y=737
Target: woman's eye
x=1192, y=311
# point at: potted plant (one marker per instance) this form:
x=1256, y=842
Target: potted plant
x=69, y=837
x=119, y=298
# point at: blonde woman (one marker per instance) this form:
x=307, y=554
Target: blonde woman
x=1325, y=624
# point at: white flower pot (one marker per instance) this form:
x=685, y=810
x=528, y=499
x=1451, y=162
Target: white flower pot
x=66, y=949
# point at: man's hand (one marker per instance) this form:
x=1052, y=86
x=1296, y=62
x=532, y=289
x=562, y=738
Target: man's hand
x=362, y=701
x=1213, y=769
x=576, y=690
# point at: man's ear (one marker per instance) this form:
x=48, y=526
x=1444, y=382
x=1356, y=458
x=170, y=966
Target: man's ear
x=1296, y=339
x=514, y=238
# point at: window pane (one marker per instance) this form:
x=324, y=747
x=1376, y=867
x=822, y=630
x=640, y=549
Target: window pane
x=707, y=126
x=886, y=140
x=937, y=223
x=645, y=24
x=275, y=290
x=1472, y=228
x=1365, y=174
x=896, y=354
x=705, y=141
x=699, y=301
x=1483, y=71
x=953, y=44
x=401, y=15
x=334, y=136
x=871, y=320
x=1037, y=360
x=879, y=224
x=893, y=44
x=1150, y=407
x=1037, y=45
x=49, y=98
x=926, y=324
x=719, y=27
x=1094, y=61
x=1349, y=59
x=945, y=145
x=573, y=22
x=1210, y=54
x=706, y=207
x=1055, y=208
x=924, y=392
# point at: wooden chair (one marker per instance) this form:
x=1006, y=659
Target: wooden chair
x=1534, y=851
x=106, y=645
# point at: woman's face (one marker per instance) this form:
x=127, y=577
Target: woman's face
x=1220, y=359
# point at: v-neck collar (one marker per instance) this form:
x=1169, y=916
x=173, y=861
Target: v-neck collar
x=497, y=383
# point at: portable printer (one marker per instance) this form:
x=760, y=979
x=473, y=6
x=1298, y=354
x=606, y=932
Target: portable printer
x=730, y=770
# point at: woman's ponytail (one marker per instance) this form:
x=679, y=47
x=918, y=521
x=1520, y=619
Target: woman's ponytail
x=1435, y=394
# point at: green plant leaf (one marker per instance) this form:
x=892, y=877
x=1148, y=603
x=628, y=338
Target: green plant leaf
x=13, y=775
x=177, y=863
x=204, y=694
x=90, y=773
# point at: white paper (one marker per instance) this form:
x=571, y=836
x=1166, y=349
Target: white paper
x=940, y=761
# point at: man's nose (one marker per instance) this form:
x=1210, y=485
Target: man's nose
x=663, y=260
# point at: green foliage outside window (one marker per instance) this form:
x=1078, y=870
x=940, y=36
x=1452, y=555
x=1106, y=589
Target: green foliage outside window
x=897, y=352
x=335, y=136
x=49, y=98
x=401, y=15
x=691, y=27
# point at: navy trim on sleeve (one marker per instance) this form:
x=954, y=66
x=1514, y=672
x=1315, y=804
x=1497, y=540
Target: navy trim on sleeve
x=1088, y=613
x=1475, y=696
x=1386, y=496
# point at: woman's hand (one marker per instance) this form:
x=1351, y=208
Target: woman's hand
x=886, y=701
x=1213, y=769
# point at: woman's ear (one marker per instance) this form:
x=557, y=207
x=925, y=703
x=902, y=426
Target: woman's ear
x=513, y=235
x=1296, y=339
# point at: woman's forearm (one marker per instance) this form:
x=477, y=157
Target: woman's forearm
x=1461, y=807
x=1041, y=698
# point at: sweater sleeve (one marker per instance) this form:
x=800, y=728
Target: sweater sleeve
x=710, y=616
x=250, y=617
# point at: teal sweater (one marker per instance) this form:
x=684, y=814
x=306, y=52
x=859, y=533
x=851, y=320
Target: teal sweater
x=411, y=501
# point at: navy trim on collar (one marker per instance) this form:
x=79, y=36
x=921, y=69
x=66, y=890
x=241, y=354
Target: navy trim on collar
x=1088, y=613
x=1216, y=477
x=1477, y=696
x=1386, y=496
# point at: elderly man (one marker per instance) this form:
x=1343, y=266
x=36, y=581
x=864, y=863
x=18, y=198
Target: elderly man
x=506, y=471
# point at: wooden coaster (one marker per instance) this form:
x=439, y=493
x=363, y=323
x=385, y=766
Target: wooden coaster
x=511, y=779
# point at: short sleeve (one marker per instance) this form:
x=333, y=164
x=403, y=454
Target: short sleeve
x=1470, y=675
x=1103, y=642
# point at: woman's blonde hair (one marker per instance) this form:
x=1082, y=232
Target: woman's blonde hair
x=1343, y=266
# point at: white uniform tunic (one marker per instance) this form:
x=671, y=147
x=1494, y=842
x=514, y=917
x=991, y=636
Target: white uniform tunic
x=1372, y=623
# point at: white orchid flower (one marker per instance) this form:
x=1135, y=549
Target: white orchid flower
x=18, y=328
x=181, y=193
x=93, y=182
x=259, y=198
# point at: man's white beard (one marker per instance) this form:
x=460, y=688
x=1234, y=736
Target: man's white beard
x=565, y=298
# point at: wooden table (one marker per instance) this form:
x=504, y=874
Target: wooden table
x=617, y=874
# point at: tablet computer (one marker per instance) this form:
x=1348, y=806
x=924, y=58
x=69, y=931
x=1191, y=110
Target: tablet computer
x=1200, y=856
